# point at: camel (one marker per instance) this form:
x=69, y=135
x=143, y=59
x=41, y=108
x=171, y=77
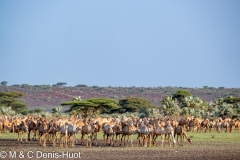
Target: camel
x=161, y=130
x=96, y=130
x=15, y=122
x=195, y=124
x=6, y=124
x=233, y=123
x=89, y=129
x=43, y=131
x=174, y=123
x=108, y=131
x=180, y=132
x=32, y=126
x=21, y=128
x=226, y=124
x=205, y=124
x=52, y=132
x=212, y=126
x=1, y=128
x=117, y=129
x=143, y=134
x=64, y=135
x=219, y=125
x=128, y=130
x=237, y=123
x=73, y=129
x=184, y=122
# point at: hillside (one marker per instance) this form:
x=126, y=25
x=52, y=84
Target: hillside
x=48, y=96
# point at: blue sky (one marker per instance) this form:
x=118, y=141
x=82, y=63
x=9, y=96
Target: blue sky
x=121, y=43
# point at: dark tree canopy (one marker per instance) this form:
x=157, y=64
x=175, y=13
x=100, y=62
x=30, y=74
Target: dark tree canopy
x=92, y=107
x=181, y=94
x=61, y=83
x=4, y=83
x=134, y=104
x=232, y=100
x=10, y=99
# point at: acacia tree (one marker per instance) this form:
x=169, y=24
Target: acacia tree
x=135, y=104
x=92, y=107
x=11, y=99
x=4, y=83
x=180, y=95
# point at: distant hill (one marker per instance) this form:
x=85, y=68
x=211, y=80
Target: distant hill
x=49, y=96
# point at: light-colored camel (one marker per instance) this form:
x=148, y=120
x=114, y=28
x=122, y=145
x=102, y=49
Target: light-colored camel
x=73, y=129
x=212, y=126
x=143, y=135
x=6, y=124
x=128, y=129
x=161, y=130
x=180, y=132
x=108, y=131
x=226, y=124
x=219, y=122
x=64, y=135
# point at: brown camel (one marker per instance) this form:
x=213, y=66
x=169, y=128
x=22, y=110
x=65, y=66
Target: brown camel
x=21, y=128
x=117, y=129
x=180, y=132
x=43, y=129
x=233, y=123
x=205, y=124
x=32, y=126
x=88, y=129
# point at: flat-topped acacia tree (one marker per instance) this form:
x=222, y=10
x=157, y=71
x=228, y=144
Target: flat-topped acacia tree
x=12, y=99
x=92, y=107
x=135, y=104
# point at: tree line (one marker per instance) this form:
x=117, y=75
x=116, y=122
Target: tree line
x=181, y=103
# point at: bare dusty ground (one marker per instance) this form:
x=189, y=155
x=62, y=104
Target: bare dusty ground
x=196, y=151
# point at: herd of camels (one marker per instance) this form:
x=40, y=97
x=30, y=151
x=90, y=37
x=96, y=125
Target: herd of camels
x=63, y=131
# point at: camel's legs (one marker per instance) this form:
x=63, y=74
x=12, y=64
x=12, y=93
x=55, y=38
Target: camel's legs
x=155, y=140
x=82, y=139
x=121, y=140
x=131, y=140
x=162, y=137
x=104, y=142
